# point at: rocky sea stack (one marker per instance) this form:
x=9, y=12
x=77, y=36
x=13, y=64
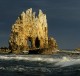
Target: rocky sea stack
x=29, y=34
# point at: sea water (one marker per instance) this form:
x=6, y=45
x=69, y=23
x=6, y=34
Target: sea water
x=40, y=65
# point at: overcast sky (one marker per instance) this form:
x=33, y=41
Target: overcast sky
x=63, y=17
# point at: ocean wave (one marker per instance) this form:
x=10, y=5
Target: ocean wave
x=62, y=62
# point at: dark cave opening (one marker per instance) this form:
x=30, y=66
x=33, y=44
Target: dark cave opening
x=37, y=42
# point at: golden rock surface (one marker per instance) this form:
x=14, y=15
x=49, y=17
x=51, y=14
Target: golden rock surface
x=29, y=32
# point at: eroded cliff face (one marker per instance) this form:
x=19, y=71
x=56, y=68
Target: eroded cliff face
x=29, y=32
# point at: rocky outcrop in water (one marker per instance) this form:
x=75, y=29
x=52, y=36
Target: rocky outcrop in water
x=52, y=47
x=30, y=32
x=4, y=50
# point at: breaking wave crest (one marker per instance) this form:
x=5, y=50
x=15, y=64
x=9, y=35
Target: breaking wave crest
x=65, y=61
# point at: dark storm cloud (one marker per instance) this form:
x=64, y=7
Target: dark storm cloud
x=63, y=18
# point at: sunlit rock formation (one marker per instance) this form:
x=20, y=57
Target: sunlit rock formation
x=30, y=32
x=77, y=49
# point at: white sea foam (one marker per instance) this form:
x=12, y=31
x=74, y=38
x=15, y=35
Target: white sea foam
x=28, y=58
